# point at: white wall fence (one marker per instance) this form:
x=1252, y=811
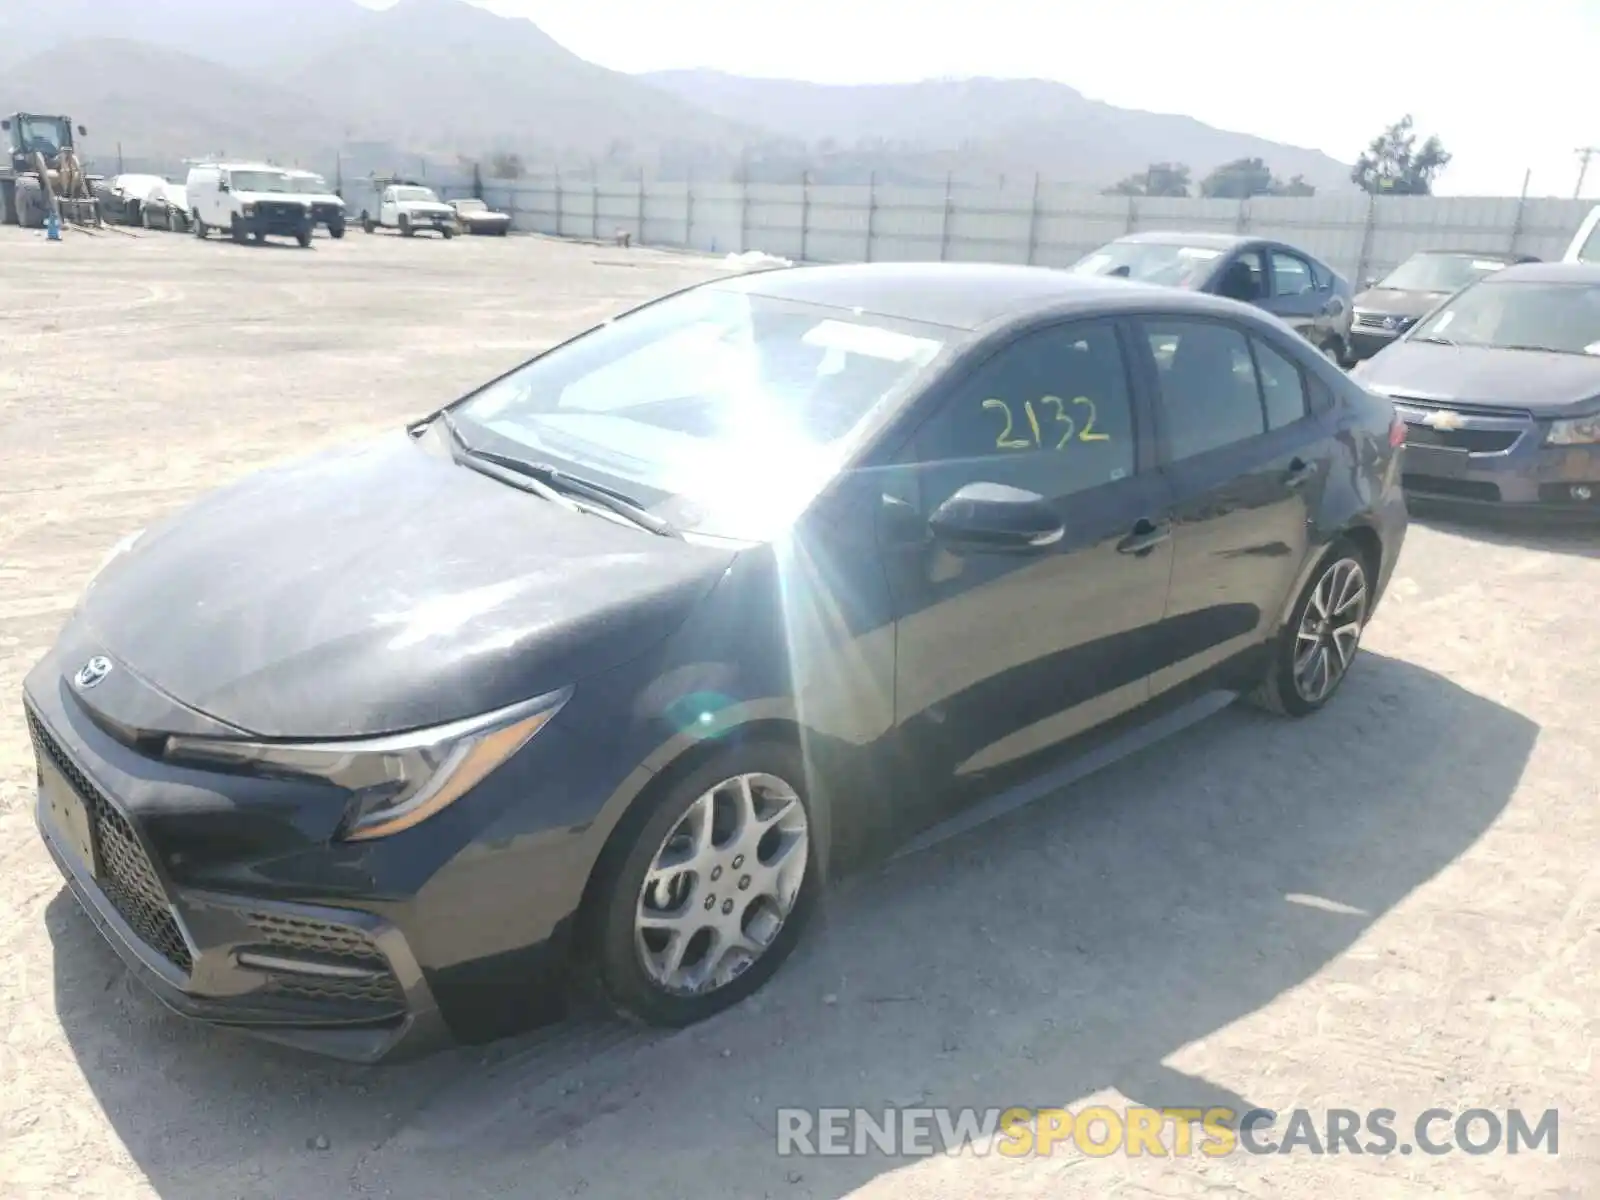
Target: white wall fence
x=1044, y=224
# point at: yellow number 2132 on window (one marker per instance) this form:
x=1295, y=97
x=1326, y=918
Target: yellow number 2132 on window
x=1058, y=428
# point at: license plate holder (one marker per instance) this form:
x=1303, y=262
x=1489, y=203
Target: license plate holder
x=1438, y=461
x=69, y=817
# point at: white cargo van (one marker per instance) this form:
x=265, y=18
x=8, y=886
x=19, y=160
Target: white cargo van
x=247, y=200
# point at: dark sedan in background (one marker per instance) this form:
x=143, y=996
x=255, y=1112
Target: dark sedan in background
x=1500, y=391
x=1391, y=305
x=1307, y=294
x=607, y=666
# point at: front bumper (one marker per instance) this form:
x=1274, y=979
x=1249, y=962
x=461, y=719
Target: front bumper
x=1496, y=460
x=330, y=215
x=230, y=915
x=276, y=222
x=483, y=226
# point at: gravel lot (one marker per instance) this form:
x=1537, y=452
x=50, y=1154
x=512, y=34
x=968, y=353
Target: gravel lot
x=1395, y=904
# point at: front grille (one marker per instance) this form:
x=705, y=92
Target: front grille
x=1376, y=321
x=126, y=875
x=1492, y=412
x=324, y=941
x=1473, y=441
x=1461, y=489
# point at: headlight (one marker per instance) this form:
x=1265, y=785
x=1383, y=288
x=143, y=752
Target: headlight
x=247, y=209
x=1580, y=431
x=397, y=781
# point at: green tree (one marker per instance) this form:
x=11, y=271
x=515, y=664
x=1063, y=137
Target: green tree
x=506, y=166
x=1296, y=186
x=1395, y=165
x=1238, y=180
x=1158, y=179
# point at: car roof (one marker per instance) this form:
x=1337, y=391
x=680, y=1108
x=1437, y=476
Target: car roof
x=1543, y=272
x=1175, y=237
x=966, y=296
x=1488, y=255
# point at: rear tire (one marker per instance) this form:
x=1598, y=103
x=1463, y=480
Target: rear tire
x=781, y=857
x=1314, y=651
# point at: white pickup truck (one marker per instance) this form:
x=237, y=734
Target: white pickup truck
x=410, y=208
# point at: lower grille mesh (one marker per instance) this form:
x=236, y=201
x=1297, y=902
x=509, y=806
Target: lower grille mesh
x=339, y=945
x=126, y=875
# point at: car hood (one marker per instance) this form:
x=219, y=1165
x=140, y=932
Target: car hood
x=1548, y=384
x=1390, y=303
x=424, y=206
x=321, y=198
x=382, y=588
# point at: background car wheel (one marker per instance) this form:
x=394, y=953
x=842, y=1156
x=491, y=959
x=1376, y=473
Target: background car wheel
x=1315, y=649
x=706, y=894
x=237, y=229
x=368, y=225
x=448, y=233
x=200, y=227
x=336, y=231
x=304, y=238
x=174, y=221
x=145, y=219
x=405, y=226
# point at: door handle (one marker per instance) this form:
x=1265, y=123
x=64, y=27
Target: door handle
x=1146, y=536
x=1299, y=473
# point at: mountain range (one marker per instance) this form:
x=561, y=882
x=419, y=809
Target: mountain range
x=304, y=80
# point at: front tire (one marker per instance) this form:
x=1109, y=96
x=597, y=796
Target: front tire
x=200, y=227
x=304, y=238
x=237, y=230
x=368, y=225
x=703, y=900
x=405, y=226
x=448, y=233
x=336, y=230
x=1315, y=649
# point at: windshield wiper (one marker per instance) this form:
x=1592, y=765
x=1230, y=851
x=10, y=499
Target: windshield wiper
x=1536, y=349
x=1435, y=339
x=623, y=506
x=553, y=484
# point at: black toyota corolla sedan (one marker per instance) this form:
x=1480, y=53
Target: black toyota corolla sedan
x=599, y=672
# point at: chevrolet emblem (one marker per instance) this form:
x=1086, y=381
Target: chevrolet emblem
x=1444, y=421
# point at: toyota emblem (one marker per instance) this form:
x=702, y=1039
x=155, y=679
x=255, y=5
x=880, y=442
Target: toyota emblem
x=93, y=671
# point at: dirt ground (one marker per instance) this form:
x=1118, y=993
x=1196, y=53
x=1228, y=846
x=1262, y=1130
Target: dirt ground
x=1395, y=904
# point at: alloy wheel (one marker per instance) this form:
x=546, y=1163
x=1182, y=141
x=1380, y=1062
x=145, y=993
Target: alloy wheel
x=1330, y=629
x=722, y=884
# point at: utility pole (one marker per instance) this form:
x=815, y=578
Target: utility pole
x=1584, y=153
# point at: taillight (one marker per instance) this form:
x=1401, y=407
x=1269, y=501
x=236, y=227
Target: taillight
x=1397, y=432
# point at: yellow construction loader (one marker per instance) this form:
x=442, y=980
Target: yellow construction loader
x=41, y=173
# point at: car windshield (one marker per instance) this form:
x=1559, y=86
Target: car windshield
x=258, y=181
x=731, y=410
x=1168, y=263
x=44, y=134
x=1438, y=273
x=1562, y=317
x=312, y=185
x=415, y=193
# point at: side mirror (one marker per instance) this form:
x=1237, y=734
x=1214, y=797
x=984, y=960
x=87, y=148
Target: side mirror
x=222, y=186
x=5, y=124
x=82, y=132
x=992, y=516
x=1369, y=283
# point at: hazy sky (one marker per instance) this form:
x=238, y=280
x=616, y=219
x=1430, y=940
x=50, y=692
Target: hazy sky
x=1507, y=86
